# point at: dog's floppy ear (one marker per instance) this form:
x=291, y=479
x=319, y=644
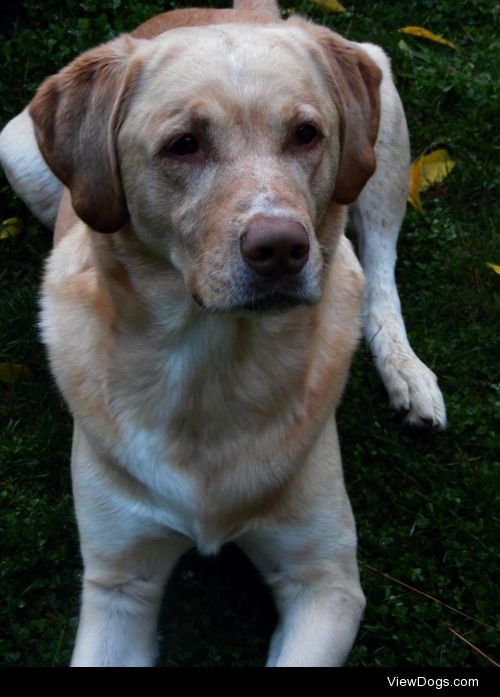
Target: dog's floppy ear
x=354, y=81
x=76, y=114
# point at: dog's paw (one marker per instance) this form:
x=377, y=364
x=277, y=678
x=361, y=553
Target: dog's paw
x=413, y=390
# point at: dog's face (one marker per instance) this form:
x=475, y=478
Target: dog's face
x=228, y=154
x=221, y=147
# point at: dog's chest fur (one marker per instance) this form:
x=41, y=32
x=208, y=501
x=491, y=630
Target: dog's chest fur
x=196, y=427
x=207, y=418
x=192, y=410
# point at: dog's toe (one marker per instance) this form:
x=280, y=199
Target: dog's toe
x=413, y=389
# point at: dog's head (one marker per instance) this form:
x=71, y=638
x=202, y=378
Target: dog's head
x=221, y=148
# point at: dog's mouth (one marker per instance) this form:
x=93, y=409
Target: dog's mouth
x=250, y=295
x=269, y=304
x=262, y=304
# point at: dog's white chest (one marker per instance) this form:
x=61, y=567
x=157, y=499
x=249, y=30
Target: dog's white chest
x=175, y=498
x=172, y=496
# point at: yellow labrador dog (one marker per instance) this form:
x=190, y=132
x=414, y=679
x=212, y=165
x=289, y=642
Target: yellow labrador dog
x=202, y=304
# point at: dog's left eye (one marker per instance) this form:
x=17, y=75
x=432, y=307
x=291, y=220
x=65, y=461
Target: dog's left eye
x=186, y=145
x=305, y=134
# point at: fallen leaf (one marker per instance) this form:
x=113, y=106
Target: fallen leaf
x=415, y=178
x=10, y=227
x=435, y=168
x=495, y=267
x=426, y=171
x=426, y=34
x=12, y=372
x=331, y=5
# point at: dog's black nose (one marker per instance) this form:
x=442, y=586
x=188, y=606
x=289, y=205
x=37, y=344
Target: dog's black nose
x=275, y=247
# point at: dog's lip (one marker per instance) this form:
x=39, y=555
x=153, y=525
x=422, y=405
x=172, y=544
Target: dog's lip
x=258, y=296
x=269, y=303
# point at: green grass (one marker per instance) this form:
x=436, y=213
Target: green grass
x=427, y=508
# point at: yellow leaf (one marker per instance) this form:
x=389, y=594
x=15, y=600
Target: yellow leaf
x=331, y=5
x=426, y=34
x=435, y=168
x=495, y=267
x=11, y=372
x=10, y=227
x=415, y=179
x=426, y=171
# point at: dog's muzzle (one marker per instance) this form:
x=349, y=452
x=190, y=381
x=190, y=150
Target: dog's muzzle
x=275, y=252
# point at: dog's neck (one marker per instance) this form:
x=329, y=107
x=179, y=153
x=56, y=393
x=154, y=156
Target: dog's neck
x=173, y=362
x=151, y=300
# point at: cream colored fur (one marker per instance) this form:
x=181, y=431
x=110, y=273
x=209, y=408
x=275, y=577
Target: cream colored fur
x=198, y=421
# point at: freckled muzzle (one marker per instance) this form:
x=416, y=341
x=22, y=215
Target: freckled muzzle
x=274, y=252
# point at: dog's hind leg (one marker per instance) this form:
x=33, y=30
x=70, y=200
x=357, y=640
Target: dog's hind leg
x=377, y=216
x=27, y=171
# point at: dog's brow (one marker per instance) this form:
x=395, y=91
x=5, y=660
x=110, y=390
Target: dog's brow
x=174, y=117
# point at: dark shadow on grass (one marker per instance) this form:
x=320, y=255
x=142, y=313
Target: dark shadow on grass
x=216, y=611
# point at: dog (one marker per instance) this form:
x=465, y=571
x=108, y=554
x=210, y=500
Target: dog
x=202, y=304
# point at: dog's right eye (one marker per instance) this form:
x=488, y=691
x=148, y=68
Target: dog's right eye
x=186, y=145
x=305, y=134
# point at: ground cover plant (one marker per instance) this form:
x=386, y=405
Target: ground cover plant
x=427, y=507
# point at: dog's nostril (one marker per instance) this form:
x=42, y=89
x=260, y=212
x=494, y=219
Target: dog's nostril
x=275, y=247
x=262, y=254
x=299, y=251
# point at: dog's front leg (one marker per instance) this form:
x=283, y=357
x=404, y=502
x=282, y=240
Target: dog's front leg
x=318, y=625
x=320, y=603
x=127, y=559
x=311, y=567
x=119, y=614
